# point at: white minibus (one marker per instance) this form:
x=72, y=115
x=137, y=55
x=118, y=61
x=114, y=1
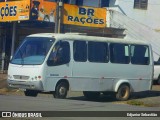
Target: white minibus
x=56, y=63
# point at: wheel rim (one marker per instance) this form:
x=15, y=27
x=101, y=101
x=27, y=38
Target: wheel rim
x=62, y=90
x=124, y=92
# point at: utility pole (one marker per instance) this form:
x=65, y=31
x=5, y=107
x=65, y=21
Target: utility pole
x=13, y=38
x=58, y=16
x=99, y=3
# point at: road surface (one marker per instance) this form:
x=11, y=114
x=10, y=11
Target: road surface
x=42, y=103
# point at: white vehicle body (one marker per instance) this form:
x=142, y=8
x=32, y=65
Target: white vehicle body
x=85, y=75
x=157, y=72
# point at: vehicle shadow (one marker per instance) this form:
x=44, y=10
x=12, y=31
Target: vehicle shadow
x=102, y=98
x=145, y=94
x=111, y=98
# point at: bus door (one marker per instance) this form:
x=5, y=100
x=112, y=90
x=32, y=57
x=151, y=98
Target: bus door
x=58, y=63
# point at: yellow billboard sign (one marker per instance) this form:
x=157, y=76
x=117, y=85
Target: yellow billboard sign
x=43, y=10
x=14, y=10
x=84, y=16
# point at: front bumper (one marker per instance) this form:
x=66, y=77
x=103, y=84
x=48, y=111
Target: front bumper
x=32, y=85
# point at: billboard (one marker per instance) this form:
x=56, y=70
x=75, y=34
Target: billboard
x=14, y=10
x=43, y=10
x=84, y=16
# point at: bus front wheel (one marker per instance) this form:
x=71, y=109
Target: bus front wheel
x=61, y=90
x=32, y=93
x=123, y=92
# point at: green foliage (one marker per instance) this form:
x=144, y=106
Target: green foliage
x=135, y=102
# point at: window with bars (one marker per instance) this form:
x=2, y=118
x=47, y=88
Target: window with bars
x=141, y=4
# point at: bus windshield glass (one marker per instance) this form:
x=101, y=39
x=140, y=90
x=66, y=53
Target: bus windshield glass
x=32, y=51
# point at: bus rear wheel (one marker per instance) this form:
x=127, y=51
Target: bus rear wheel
x=91, y=95
x=123, y=92
x=158, y=81
x=61, y=90
x=32, y=93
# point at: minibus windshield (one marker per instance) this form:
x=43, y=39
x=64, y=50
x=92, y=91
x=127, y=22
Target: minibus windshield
x=32, y=51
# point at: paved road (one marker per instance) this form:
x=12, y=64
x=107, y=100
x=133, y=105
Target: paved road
x=22, y=103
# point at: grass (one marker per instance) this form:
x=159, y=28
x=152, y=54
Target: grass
x=6, y=90
x=140, y=103
x=135, y=102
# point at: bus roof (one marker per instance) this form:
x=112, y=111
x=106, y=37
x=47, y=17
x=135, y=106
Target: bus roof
x=79, y=36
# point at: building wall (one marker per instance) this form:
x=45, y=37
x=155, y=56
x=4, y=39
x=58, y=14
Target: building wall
x=93, y=3
x=149, y=17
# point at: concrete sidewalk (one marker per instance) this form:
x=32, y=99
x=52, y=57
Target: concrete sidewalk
x=3, y=78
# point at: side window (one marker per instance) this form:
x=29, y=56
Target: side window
x=66, y=1
x=80, y=51
x=105, y=3
x=98, y=52
x=140, y=54
x=157, y=63
x=60, y=54
x=79, y=2
x=141, y=4
x=119, y=53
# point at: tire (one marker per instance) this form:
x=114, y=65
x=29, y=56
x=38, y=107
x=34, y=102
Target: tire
x=158, y=81
x=61, y=90
x=91, y=95
x=32, y=93
x=123, y=92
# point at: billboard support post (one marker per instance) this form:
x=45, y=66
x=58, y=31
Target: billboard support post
x=13, y=38
x=58, y=16
x=56, y=19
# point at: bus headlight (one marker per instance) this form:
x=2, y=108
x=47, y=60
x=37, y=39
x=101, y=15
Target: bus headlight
x=9, y=76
